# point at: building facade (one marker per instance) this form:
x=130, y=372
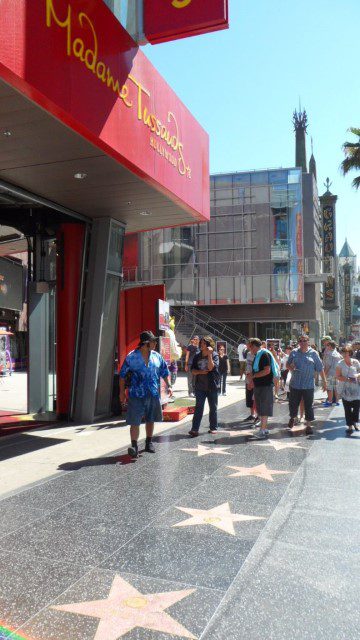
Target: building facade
x=256, y=264
x=94, y=145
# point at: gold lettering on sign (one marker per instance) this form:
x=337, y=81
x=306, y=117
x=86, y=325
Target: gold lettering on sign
x=180, y=4
x=86, y=50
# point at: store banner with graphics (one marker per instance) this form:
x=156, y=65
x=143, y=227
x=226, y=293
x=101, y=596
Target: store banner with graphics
x=347, y=294
x=328, y=217
x=166, y=20
x=163, y=315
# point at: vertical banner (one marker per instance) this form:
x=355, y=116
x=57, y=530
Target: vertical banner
x=328, y=217
x=347, y=295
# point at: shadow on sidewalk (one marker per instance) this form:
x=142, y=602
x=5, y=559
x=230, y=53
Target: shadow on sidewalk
x=96, y=462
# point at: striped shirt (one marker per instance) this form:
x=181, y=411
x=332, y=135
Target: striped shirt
x=306, y=364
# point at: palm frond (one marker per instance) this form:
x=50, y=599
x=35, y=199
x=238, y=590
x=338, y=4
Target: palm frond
x=356, y=182
x=349, y=164
x=355, y=131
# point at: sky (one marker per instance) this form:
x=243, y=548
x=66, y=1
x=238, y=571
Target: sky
x=244, y=83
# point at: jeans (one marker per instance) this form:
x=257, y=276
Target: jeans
x=223, y=377
x=351, y=408
x=212, y=398
x=294, y=401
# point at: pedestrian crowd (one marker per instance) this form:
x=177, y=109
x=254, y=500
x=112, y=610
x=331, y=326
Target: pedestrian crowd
x=268, y=372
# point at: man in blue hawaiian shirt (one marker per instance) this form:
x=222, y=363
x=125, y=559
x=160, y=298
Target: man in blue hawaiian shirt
x=145, y=367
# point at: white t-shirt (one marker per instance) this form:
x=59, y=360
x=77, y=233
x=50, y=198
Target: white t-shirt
x=284, y=360
x=241, y=349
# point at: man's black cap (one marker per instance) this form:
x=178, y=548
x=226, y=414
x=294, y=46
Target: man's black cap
x=147, y=336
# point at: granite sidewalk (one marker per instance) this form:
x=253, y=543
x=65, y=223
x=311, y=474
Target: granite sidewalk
x=221, y=537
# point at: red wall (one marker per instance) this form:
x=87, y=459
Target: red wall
x=130, y=257
x=68, y=278
x=137, y=312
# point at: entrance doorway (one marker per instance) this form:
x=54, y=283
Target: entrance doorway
x=27, y=322
x=13, y=323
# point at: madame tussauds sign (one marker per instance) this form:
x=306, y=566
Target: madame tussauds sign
x=82, y=43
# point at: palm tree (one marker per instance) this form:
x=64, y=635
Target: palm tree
x=352, y=153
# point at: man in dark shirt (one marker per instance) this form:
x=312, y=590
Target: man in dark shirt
x=262, y=377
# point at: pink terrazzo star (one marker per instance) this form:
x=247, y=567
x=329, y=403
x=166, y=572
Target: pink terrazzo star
x=126, y=608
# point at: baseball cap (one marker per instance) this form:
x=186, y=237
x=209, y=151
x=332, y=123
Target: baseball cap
x=147, y=336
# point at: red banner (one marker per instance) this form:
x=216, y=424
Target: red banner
x=75, y=60
x=166, y=20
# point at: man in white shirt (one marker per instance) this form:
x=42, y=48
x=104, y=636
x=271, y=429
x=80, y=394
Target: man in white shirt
x=242, y=358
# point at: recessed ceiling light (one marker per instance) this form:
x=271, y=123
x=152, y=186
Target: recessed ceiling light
x=145, y=213
x=80, y=175
x=7, y=134
x=129, y=202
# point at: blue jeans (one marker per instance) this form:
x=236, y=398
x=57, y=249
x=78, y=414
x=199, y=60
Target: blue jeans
x=212, y=398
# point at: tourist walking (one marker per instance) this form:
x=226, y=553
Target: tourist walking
x=283, y=368
x=242, y=358
x=303, y=362
x=224, y=369
x=263, y=371
x=191, y=350
x=249, y=388
x=143, y=367
x=205, y=369
x=275, y=354
x=348, y=377
x=330, y=362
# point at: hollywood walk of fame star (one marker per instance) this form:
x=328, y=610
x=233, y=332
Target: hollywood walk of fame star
x=202, y=450
x=260, y=471
x=278, y=446
x=219, y=517
x=126, y=608
x=237, y=434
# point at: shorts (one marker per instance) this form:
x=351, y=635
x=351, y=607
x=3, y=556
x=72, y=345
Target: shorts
x=264, y=400
x=147, y=409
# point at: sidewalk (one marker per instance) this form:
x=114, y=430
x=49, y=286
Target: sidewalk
x=221, y=538
x=41, y=453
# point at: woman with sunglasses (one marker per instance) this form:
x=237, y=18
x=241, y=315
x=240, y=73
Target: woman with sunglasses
x=348, y=377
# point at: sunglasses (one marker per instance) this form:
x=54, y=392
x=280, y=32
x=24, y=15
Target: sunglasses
x=303, y=340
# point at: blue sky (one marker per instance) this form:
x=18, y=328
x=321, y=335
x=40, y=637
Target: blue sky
x=244, y=84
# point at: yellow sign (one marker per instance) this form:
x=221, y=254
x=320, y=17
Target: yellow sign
x=165, y=138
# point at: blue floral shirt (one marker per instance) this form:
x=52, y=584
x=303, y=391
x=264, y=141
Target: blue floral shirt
x=145, y=380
